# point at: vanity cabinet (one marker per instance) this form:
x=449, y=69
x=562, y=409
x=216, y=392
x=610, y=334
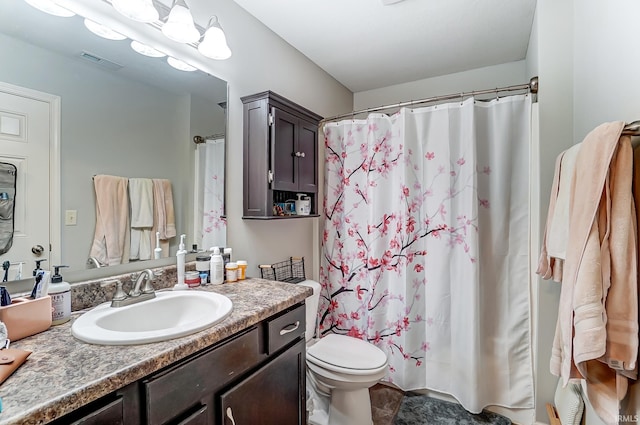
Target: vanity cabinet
x=119, y=408
x=280, y=154
x=256, y=376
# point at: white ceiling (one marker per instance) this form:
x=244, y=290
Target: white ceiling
x=366, y=45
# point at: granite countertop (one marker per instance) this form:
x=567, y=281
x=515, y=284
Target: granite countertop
x=64, y=373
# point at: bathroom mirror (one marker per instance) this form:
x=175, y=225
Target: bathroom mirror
x=122, y=114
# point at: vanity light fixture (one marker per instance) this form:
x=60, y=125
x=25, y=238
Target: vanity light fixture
x=138, y=10
x=102, y=30
x=180, y=65
x=180, y=26
x=146, y=50
x=50, y=7
x=214, y=44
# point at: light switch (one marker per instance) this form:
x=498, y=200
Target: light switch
x=70, y=217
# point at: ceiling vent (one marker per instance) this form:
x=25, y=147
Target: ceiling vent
x=97, y=60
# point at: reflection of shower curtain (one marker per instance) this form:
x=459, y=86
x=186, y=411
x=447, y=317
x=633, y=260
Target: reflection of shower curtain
x=425, y=247
x=214, y=226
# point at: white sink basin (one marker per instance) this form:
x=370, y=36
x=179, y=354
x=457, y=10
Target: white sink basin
x=169, y=315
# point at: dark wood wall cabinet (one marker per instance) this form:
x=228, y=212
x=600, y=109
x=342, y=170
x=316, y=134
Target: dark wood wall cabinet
x=256, y=376
x=280, y=156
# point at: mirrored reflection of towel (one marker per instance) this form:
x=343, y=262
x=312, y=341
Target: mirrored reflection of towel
x=111, y=240
x=164, y=214
x=141, y=197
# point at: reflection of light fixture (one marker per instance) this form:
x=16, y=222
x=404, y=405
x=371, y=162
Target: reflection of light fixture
x=214, y=45
x=178, y=64
x=102, y=30
x=146, y=50
x=179, y=26
x=50, y=7
x=138, y=10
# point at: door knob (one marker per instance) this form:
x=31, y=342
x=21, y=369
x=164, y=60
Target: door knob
x=37, y=250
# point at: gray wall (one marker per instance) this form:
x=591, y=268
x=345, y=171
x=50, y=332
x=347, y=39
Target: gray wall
x=111, y=125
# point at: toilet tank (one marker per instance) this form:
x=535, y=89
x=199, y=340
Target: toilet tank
x=311, y=307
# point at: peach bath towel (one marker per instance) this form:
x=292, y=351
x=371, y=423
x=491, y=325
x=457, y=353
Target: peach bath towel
x=164, y=215
x=111, y=240
x=597, y=330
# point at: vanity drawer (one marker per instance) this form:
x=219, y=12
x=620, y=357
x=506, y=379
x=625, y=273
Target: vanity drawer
x=177, y=389
x=285, y=328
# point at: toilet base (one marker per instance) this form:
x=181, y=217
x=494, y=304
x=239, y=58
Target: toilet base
x=350, y=407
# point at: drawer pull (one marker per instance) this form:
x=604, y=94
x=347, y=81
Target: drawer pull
x=290, y=328
x=230, y=416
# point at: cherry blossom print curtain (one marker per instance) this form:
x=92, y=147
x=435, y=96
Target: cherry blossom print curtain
x=214, y=226
x=425, y=246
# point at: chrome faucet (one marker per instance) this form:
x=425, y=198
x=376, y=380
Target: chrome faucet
x=93, y=262
x=142, y=289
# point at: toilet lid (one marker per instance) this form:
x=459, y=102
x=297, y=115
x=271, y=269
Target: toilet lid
x=347, y=352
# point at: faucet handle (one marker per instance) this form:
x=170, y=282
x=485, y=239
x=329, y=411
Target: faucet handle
x=148, y=287
x=119, y=294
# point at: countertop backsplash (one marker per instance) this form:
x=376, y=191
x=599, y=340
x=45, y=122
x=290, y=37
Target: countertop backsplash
x=90, y=293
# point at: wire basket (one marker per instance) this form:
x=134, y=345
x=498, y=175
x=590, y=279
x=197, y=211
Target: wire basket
x=291, y=270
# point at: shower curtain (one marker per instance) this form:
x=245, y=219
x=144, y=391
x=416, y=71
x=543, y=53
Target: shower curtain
x=214, y=225
x=425, y=246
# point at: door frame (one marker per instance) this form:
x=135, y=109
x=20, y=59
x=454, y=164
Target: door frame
x=55, y=228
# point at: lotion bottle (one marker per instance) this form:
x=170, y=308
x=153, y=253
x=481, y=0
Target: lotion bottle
x=60, y=292
x=216, y=267
x=180, y=257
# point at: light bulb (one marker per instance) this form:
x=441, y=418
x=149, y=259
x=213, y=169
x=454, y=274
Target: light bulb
x=214, y=45
x=178, y=64
x=179, y=26
x=138, y=10
x=145, y=50
x=50, y=7
x=102, y=30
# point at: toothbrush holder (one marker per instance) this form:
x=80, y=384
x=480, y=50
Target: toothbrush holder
x=25, y=317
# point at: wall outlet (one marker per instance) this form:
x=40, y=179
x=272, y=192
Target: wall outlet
x=70, y=217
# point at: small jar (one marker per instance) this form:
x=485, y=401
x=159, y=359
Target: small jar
x=242, y=269
x=232, y=272
x=192, y=279
x=202, y=266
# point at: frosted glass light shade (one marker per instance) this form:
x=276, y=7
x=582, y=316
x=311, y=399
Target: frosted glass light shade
x=50, y=7
x=146, y=50
x=214, y=45
x=179, y=26
x=102, y=30
x=178, y=64
x=138, y=10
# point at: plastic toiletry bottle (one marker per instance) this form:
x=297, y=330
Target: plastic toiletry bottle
x=226, y=258
x=157, y=252
x=180, y=257
x=231, y=272
x=242, y=269
x=216, y=273
x=60, y=292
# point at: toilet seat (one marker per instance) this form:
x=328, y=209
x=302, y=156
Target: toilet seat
x=348, y=355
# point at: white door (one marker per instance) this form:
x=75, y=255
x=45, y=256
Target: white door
x=25, y=136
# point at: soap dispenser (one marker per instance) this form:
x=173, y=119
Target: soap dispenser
x=180, y=260
x=35, y=271
x=60, y=292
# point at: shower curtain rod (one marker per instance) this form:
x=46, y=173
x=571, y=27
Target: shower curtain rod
x=531, y=87
x=199, y=139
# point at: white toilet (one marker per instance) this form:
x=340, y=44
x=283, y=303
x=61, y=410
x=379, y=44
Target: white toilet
x=340, y=371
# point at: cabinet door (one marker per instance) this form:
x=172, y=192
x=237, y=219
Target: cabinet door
x=274, y=395
x=284, y=134
x=306, y=154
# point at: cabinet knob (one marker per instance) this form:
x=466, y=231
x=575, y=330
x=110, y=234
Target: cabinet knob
x=300, y=154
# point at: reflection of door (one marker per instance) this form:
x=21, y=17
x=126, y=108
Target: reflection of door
x=25, y=135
